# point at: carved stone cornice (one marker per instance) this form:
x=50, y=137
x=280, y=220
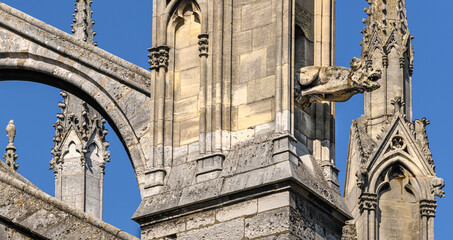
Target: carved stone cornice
x=368, y=201
x=428, y=208
x=203, y=44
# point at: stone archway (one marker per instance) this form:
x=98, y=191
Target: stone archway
x=32, y=50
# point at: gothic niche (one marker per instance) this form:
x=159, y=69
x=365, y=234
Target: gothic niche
x=183, y=31
x=398, y=214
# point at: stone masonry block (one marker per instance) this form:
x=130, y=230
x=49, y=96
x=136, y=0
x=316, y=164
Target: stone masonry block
x=273, y=201
x=261, y=11
x=253, y=65
x=237, y=210
x=260, y=89
x=231, y=230
x=200, y=220
x=255, y=113
x=267, y=223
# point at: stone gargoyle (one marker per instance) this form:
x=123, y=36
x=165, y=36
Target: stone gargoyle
x=336, y=84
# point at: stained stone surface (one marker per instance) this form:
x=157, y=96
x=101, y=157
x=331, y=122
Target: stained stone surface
x=27, y=212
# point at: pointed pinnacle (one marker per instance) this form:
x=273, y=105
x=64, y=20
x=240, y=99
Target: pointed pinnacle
x=82, y=27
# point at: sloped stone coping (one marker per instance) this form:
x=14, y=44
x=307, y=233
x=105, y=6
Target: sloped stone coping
x=66, y=44
x=84, y=217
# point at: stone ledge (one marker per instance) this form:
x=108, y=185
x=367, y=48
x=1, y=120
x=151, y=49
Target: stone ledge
x=247, y=185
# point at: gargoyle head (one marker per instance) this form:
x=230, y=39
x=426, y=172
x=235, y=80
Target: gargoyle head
x=363, y=78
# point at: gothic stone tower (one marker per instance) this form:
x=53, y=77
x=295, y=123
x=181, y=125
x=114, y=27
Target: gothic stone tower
x=80, y=153
x=232, y=156
x=390, y=184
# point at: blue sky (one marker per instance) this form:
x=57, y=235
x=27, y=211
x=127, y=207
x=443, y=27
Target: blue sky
x=124, y=29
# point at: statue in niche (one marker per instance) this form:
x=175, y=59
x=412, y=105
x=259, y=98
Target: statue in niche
x=336, y=84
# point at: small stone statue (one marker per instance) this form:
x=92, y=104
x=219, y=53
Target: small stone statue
x=11, y=132
x=10, y=155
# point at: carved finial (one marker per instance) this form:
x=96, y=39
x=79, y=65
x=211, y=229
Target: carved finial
x=10, y=155
x=82, y=27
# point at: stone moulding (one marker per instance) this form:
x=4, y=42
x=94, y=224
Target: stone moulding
x=68, y=45
x=220, y=191
x=285, y=148
x=209, y=166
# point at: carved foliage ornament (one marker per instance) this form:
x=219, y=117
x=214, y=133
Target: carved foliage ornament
x=159, y=57
x=368, y=201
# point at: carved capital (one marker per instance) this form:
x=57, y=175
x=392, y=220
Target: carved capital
x=428, y=208
x=203, y=44
x=153, y=58
x=368, y=201
x=385, y=61
x=164, y=53
x=402, y=62
x=158, y=57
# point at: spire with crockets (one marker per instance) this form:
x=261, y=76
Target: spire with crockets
x=387, y=45
x=390, y=182
x=80, y=147
x=82, y=26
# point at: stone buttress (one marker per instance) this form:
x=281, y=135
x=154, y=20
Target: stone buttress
x=80, y=153
x=391, y=182
x=232, y=156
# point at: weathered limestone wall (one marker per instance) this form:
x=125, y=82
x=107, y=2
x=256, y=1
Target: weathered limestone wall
x=281, y=215
x=26, y=211
x=254, y=63
x=238, y=88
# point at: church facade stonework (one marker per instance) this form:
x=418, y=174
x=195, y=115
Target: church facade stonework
x=231, y=133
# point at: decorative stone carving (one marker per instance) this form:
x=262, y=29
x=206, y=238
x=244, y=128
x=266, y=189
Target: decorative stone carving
x=349, y=232
x=159, y=57
x=203, y=44
x=368, y=201
x=397, y=142
x=153, y=58
x=337, y=84
x=428, y=208
x=422, y=139
x=436, y=187
x=10, y=156
x=163, y=56
x=361, y=175
x=398, y=107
